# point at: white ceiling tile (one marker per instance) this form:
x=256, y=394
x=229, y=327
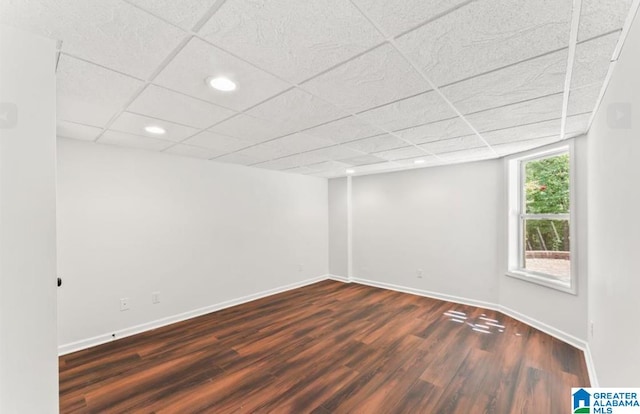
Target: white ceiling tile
x=90, y=94
x=328, y=165
x=583, y=99
x=397, y=16
x=523, y=132
x=462, y=48
x=311, y=157
x=239, y=158
x=250, y=128
x=279, y=164
x=135, y=124
x=299, y=170
x=450, y=128
x=220, y=144
x=182, y=13
x=416, y=110
x=577, y=124
x=162, y=103
x=592, y=60
x=299, y=142
x=521, y=146
x=531, y=79
x=189, y=70
x=291, y=38
x=296, y=110
x=135, y=141
x=375, y=78
x=329, y=169
x=485, y=35
x=425, y=161
x=108, y=32
x=473, y=154
x=336, y=152
x=454, y=144
x=343, y=130
x=535, y=110
x=266, y=151
x=375, y=144
x=402, y=153
x=378, y=167
x=77, y=131
x=194, y=152
x=363, y=160
x=601, y=16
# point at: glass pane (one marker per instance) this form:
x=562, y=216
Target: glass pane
x=546, y=248
x=547, y=185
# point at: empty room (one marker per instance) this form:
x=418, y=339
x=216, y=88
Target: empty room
x=327, y=206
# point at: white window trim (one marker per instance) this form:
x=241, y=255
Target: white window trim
x=515, y=185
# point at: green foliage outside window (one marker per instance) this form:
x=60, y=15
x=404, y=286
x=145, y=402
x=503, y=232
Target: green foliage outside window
x=547, y=192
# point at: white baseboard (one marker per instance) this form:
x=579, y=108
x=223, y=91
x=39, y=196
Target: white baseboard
x=591, y=368
x=123, y=333
x=337, y=278
x=541, y=326
x=550, y=330
x=426, y=293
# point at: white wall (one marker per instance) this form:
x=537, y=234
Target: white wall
x=451, y=222
x=338, y=228
x=614, y=229
x=28, y=358
x=442, y=220
x=559, y=310
x=134, y=222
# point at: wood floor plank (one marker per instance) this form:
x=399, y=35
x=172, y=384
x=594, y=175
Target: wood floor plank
x=328, y=348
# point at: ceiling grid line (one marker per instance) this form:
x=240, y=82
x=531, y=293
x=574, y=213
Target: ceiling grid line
x=148, y=82
x=298, y=85
x=616, y=54
x=194, y=33
x=208, y=15
x=119, y=72
x=403, y=104
x=390, y=41
x=216, y=7
x=573, y=40
x=358, y=116
x=238, y=113
x=433, y=86
x=423, y=23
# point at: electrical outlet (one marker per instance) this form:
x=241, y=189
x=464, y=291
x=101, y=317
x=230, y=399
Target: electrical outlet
x=155, y=297
x=419, y=273
x=124, y=304
x=300, y=267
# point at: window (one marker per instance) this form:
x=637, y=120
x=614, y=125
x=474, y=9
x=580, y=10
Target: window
x=540, y=230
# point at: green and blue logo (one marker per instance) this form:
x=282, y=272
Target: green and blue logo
x=605, y=400
x=581, y=401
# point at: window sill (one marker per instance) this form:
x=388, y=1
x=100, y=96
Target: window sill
x=542, y=281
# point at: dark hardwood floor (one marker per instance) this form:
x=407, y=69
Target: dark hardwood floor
x=329, y=348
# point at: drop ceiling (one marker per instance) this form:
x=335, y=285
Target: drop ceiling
x=329, y=85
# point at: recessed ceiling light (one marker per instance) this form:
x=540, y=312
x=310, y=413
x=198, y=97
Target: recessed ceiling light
x=154, y=129
x=350, y=171
x=221, y=83
x=418, y=161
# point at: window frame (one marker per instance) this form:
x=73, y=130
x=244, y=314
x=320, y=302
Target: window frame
x=517, y=217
